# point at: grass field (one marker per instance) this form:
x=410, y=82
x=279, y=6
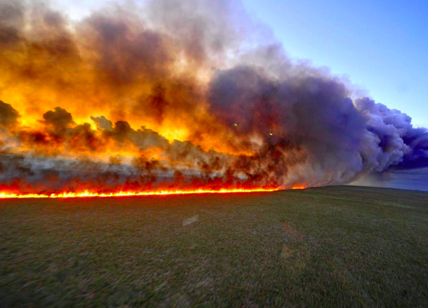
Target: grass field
x=335, y=246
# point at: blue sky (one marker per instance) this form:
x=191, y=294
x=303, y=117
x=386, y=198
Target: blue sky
x=381, y=46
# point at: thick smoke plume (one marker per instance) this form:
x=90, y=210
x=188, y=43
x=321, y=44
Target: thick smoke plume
x=180, y=95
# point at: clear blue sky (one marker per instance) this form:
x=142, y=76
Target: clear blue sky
x=381, y=45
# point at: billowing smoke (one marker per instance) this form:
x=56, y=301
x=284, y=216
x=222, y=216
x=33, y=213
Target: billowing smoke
x=174, y=94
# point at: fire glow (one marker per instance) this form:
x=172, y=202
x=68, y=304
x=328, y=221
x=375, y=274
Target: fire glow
x=298, y=187
x=88, y=194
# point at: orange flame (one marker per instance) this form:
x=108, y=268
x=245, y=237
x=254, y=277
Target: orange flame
x=298, y=187
x=90, y=109
x=89, y=194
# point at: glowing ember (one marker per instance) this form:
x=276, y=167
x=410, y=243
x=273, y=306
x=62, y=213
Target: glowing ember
x=88, y=194
x=298, y=187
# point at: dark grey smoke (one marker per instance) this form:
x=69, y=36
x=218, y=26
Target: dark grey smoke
x=402, y=145
x=343, y=139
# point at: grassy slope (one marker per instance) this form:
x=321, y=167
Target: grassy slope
x=325, y=246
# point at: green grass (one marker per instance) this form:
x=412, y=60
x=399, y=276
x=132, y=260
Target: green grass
x=335, y=246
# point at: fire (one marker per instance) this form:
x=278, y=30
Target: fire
x=298, y=187
x=127, y=104
x=89, y=194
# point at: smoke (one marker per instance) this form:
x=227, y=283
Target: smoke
x=401, y=145
x=179, y=95
x=8, y=115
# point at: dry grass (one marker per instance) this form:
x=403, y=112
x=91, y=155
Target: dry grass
x=336, y=246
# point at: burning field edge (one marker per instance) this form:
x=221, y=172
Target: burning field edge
x=89, y=194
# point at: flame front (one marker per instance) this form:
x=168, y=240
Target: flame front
x=88, y=194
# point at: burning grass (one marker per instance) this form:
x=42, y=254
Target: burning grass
x=90, y=194
x=337, y=246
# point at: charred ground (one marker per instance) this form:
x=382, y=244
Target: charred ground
x=336, y=246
